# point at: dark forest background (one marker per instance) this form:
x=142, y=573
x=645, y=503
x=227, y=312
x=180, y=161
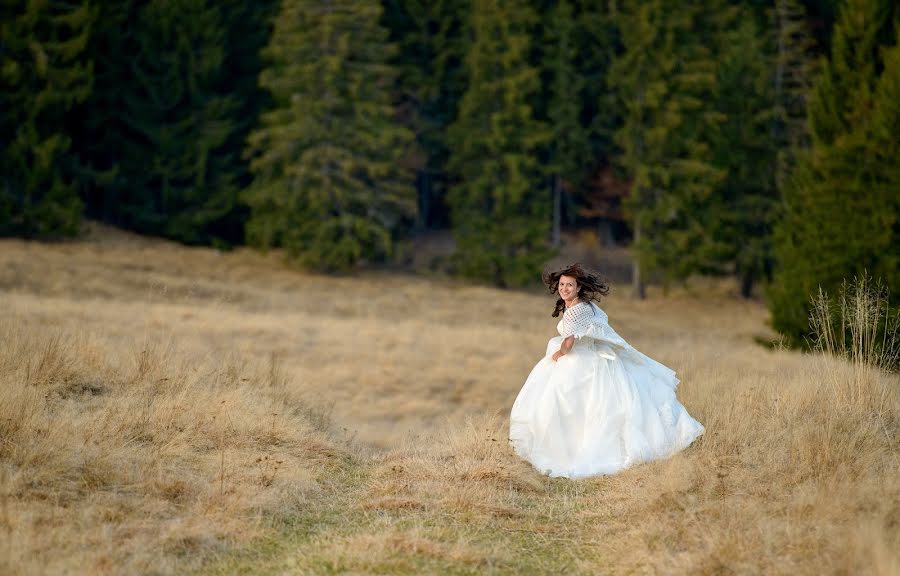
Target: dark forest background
x=753, y=139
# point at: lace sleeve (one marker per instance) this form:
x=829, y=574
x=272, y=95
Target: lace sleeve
x=577, y=320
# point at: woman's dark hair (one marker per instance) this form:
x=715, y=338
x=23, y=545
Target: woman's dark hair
x=591, y=286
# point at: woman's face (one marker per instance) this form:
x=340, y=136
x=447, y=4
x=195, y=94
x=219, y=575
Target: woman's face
x=568, y=288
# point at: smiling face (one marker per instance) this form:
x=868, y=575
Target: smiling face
x=568, y=289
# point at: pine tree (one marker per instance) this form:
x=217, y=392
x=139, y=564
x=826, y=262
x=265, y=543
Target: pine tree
x=43, y=75
x=842, y=97
x=98, y=130
x=568, y=147
x=178, y=177
x=602, y=189
x=596, y=36
x=327, y=184
x=248, y=26
x=883, y=154
x=162, y=134
x=664, y=78
x=431, y=46
x=499, y=212
x=841, y=208
x=794, y=69
x=745, y=152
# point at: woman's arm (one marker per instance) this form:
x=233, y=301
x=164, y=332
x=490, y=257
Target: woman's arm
x=564, y=348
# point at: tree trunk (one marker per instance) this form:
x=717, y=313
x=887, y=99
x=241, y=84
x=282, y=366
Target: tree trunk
x=423, y=185
x=605, y=233
x=557, y=210
x=637, y=281
x=778, y=118
x=746, y=285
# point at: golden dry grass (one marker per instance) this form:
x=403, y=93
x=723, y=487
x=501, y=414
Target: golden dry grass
x=166, y=409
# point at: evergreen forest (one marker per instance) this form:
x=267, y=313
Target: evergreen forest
x=753, y=139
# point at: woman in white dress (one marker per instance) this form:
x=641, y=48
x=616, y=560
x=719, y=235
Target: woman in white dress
x=595, y=405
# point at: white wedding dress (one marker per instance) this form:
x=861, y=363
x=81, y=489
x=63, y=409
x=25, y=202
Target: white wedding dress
x=600, y=408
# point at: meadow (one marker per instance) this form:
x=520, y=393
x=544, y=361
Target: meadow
x=170, y=410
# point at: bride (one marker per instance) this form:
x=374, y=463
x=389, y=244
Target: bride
x=595, y=405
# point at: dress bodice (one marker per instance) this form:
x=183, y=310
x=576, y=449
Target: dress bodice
x=589, y=325
x=577, y=319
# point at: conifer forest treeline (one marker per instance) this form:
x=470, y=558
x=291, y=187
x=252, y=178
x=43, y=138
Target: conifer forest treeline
x=756, y=139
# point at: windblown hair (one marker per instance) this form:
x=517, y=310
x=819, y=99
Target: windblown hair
x=591, y=285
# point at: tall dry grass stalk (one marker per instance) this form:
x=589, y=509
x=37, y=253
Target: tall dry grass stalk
x=858, y=324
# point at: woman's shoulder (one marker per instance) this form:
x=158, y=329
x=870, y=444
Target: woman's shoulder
x=580, y=309
x=597, y=310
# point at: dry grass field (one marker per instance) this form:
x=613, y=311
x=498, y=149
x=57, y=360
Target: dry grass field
x=168, y=410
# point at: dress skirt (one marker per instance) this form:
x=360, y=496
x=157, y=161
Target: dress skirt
x=598, y=410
